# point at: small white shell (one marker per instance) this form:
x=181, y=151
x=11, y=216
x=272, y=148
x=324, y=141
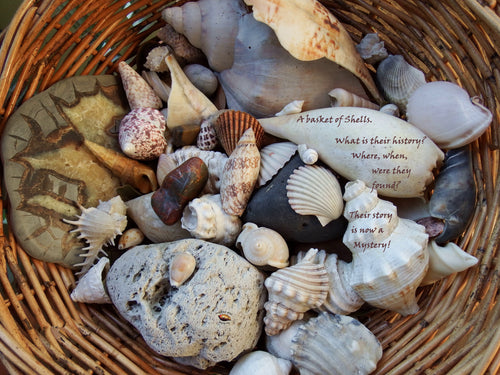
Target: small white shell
x=314, y=190
x=371, y=48
x=343, y=98
x=181, y=268
x=263, y=246
x=261, y=362
x=130, y=238
x=390, y=109
x=292, y=107
x=307, y=155
x=272, y=158
x=90, y=287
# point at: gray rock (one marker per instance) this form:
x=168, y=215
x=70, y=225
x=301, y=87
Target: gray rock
x=214, y=316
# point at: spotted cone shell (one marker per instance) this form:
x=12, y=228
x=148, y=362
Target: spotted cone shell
x=139, y=93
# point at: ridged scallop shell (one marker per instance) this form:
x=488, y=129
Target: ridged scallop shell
x=230, y=126
x=307, y=155
x=314, y=190
x=90, y=288
x=335, y=345
x=293, y=291
x=204, y=218
x=263, y=246
x=214, y=160
x=446, y=114
x=343, y=98
x=181, y=268
x=398, y=80
x=272, y=158
x=99, y=226
x=139, y=93
x=240, y=175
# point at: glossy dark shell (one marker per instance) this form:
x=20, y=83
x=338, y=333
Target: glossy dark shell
x=179, y=187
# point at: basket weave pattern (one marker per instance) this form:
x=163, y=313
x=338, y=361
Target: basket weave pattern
x=457, y=330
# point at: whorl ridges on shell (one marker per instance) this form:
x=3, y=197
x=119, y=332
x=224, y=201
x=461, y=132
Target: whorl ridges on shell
x=314, y=190
x=343, y=98
x=181, y=268
x=139, y=93
x=230, y=125
x=272, y=158
x=240, y=175
x=90, y=288
x=335, y=345
x=307, y=155
x=293, y=291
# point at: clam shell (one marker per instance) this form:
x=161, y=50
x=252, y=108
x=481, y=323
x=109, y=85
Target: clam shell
x=139, y=93
x=335, y=345
x=398, y=80
x=90, y=287
x=445, y=112
x=314, y=190
x=272, y=158
x=181, y=268
x=230, y=126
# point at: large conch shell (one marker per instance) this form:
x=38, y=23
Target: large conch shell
x=321, y=34
x=389, y=254
x=385, y=152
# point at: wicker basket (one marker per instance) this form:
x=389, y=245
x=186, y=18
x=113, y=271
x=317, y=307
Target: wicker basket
x=457, y=330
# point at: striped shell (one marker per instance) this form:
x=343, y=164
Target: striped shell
x=272, y=158
x=314, y=190
x=343, y=98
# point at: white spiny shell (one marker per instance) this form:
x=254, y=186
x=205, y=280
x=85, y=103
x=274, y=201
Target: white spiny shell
x=214, y=160
x=263, y=246
x=335, y=345
x=90, y=288
x=446, y=260
x=307, y=155
x=314, y=190
x=130, y=238
x=292, y=107
x=99, y=226
x=343, y=98
x=261, y=362
x=398, y=80
x=240, y=175
x=204, y=218
x=272, y=158
x=389, y=254
x=445, y=112
x=181, y=268
x=371, y=48
x=293, y=291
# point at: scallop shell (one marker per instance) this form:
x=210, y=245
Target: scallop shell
x=292, y=107
x=445, y=112
x=293, y=291
x=230, y=126
x=240, y=175
x=261, y=362
x=335, y=345
x=90, y=288
x=139, y=93
x=263, y=246
x=130, y=238
x=398, y=80
x=272, y=158
x=343, y=98
x=181, y=268
x=371, y=48
x=314, y=190
x=204, y=218
x=307, y=155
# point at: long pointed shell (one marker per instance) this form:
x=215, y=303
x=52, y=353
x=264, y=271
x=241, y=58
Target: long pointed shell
x=90, y=287
x=314, y=190
x=343, y=98
x=181, y=268
x=139, y=93
x=321, y=34
x=272, y=158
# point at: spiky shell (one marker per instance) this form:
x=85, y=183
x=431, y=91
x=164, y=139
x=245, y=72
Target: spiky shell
x=263, y=246
x=272, y=158
x=314, y=190
x=90, y=288
x=204, y=218
x=293, y=291
x=181, y=268
x=335, y=345
x=371, y=48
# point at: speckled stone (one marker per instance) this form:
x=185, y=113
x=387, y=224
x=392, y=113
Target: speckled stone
x=269, y=207
x=48, y=170
x=214, y=316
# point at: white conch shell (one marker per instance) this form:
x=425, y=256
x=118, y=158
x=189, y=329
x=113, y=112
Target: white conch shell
x=263, y=246
x=272, y=158
x=307, y=155
x=186, y=104
x=293, y=291
x=335, y=345
x=214, y=160
x=99, y=226
x=445, y=261
x=130, y=238
x=204, y=218
x=240, y=174
x=343, y=98
x=90, y=288
x=181, y=268
x=398, y=80
x=338, y=135
x=445, y=112
x=261, y=362
x=210, y=25
x=314, y=190
x=389, y=254
x=291, y=108
x=371, y=48
x=321, y=34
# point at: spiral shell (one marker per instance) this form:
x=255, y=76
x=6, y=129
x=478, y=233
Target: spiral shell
x=343, y=98
x=139, y=93
x=207, y=138
x=181, y=268
x=314, y=190
x=272, y=158
x=202, y=78
x=307, y=155
x=293, y=291
x=263, y=246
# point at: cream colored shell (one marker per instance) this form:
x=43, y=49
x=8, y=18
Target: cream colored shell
x=181, y=268
x=90, y=288
x=291, y=108
x=272, y=158
x=343, y=98
x=307, y=155
x=261, y=362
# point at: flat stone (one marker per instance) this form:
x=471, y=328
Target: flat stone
x=48, y=171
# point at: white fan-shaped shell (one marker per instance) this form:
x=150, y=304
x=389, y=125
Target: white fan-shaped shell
x=446, y=114
x=261, y=362
x=263, y=246
x=272, y=158
x=90, y=287
x=181, y=268
x=398, y=80
x=314, y=190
